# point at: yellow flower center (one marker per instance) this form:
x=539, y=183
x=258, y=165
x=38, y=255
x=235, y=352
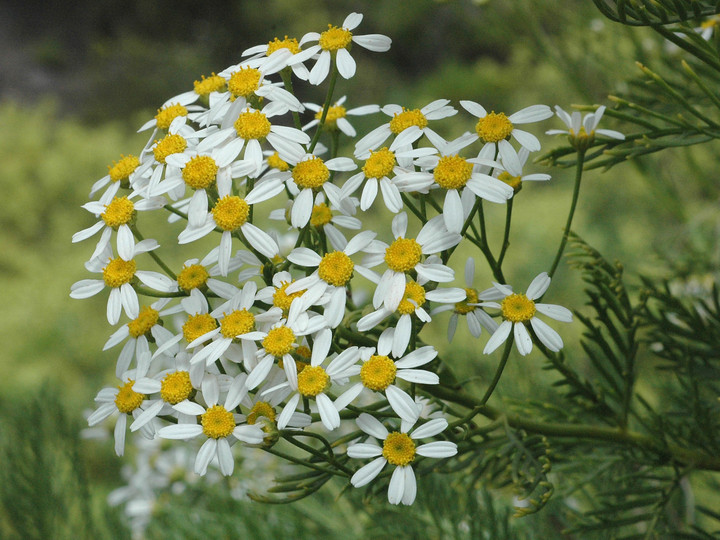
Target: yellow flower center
x=413, y=298
x=231, y=212
x=398, y=449
x=120, y=211
x=261, y=408
x=378, y=372
x=165, y=116
x=403, y=254
x=710, y=23
x=312, y=381
x=336, y=268
x=493, y=127
x=118, y=272
x=170, y=144
x=513, y=181
x=198, y=325
x=141, y=326
x=127, y=399
x=303, y=352
x=452, y=172
x=217, y=422
x=239, y=322
x=287, y=43
x=335, y=38
x=379, y=164
x=279, y=341
x=199, y=172
x=176, y=387
x=244, y=82
x=311, y=173
x=321, y=215
x=517, y=308
x=252, y=125
x=121, y=170
x=192, y=277
x=407, y=118
x=282, y=299
x=274, y=162
x=334, y=112
x=471, y=297
x=214, y=83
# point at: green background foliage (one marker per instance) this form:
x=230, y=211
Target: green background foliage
x=101, y=69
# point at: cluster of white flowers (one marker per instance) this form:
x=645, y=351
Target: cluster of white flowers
x=252, y=338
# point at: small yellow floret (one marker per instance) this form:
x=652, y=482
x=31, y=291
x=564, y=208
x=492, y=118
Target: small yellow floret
x=127, y=399
x=514, y=182
x=206, y=86
x=379, y=164
x=166, y=115
x=275, y=162
x=471, y=297
x=413, y=298
x=452, y=172
x=231, y=212
x=244, y=82
x=198, y=325
x=493, y=127
x=312, y=380
x=200, y=172
x=217, y=422
x=279, y=341
x=282, y=299
x=170, y=144
x=192, y=277
x=239, y=322
x=334, y=38
x=403, y=254
x=120, y=211
x=407, y=118
x=141, y=326
x=176, y=387
x=121, y=170
x=252, y=125
x=378, y=372
x=288, y=43
x=398, y=449
x=336, y=268
x=118, y=272
x=261, y=408
x=334, y=112
x=311, y=173
x=321, y=215
x=517, y=308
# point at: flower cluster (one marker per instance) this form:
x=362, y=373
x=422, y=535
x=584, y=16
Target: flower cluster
x=264, y=333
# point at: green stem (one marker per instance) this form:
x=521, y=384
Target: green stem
x=573, y=205
x=326, y=107
x=155, y=256
x=286, y=75
x=506, y=236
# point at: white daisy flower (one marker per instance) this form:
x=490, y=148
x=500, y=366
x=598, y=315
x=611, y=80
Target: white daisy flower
x=119, y=175
x=408, y=125
x=217, y=423
x=334, y=271
x=178, y=106
x=247, y=81
x=582, y=130
x=325, y=217
x=118, y=275
x=474, y=315
x=230, y=214
x=336, y=118
x=399, y=449
x=117, y=213
x=494, y=129
x=314, y=380
x=405, y=255
x=520, y=309
x=126, y=401
x=277, y=295
x=379, y=372
x=333, y=44
x=279, y=53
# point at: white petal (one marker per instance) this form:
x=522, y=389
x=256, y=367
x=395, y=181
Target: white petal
x=538, y=286
x=367, y=474
x=402, y=404
x=549, y=337
x=498, y=337
x=437, y=449
x=522, y=339
x=364, y=451
x=371, y=426
x=559, y=313
x=345, y=64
